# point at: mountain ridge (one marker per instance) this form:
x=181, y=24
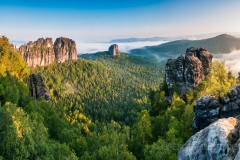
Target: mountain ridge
x=223, y=43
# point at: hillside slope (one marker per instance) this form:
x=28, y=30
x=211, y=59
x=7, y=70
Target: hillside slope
x=220, y=44
x=113, y=88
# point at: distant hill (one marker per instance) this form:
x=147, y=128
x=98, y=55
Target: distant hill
x=220, y=44
x=103, y=57
x=139, y=39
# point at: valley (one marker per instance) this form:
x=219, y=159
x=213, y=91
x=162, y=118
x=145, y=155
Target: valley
x=105, y=105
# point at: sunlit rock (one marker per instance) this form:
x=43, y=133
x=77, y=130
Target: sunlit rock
x=218, y=141
x=43, y=52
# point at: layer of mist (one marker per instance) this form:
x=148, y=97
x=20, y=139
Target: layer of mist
x=232, y=60
x=84, y=47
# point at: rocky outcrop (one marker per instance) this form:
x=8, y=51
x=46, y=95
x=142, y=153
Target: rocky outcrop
x=37, y=87
x=43, y=52
x=113, y=50
x=65, y=49
x=208, y=109
x=187, y=71
x=218, y=141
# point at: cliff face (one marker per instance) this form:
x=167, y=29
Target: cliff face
x=187, y=71
x=37, y=87
x=65, y=50
x=113, y=50
x=43, y=52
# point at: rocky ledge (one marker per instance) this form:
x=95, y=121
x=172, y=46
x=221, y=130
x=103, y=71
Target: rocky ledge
x=44, y=52
x=187, y=71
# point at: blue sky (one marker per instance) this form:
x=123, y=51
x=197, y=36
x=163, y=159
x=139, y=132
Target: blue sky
x=100, y=20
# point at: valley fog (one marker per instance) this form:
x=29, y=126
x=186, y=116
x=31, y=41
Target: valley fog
x=93, y=47
x=231, y=60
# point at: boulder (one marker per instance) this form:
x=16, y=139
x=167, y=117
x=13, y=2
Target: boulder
x=218, y=141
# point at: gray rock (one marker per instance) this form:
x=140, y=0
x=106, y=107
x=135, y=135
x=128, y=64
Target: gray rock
x=217, y=141
x=208, y=109
x=193, y=71
x=206, y=112
x=37, y=87
x=179, y=76
x=187, y=71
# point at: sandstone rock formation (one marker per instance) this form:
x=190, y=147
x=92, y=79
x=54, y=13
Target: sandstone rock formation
x=37, y=87
x=218, y=141
x=43, y=52
x=65, y=49
x=187, y=71
x=208, y=109
x=113, y=50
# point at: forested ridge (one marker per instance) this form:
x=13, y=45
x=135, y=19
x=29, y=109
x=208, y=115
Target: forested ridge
x=220, y=44
x=109, y=108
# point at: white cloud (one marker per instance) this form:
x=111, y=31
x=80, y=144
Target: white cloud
x=84, y=47
x=231, y=60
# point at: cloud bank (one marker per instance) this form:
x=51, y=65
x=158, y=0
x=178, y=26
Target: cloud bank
x=84, y=47
x=232, y=61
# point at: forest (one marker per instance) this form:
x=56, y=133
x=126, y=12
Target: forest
x=101, y=108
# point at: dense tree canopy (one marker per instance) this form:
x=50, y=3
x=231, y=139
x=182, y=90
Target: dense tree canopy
x=104, y=108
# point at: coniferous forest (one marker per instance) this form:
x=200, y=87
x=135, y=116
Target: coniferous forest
x=101, y=107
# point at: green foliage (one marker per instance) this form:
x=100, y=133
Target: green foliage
x=113, y=88
x=23, y=137
x=161, y=150
x=158, y=99
x=173, y=124
x=141, y=134
x=11, y=61
x=99, y=110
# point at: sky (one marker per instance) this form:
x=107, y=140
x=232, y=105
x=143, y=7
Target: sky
x=103, y=20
